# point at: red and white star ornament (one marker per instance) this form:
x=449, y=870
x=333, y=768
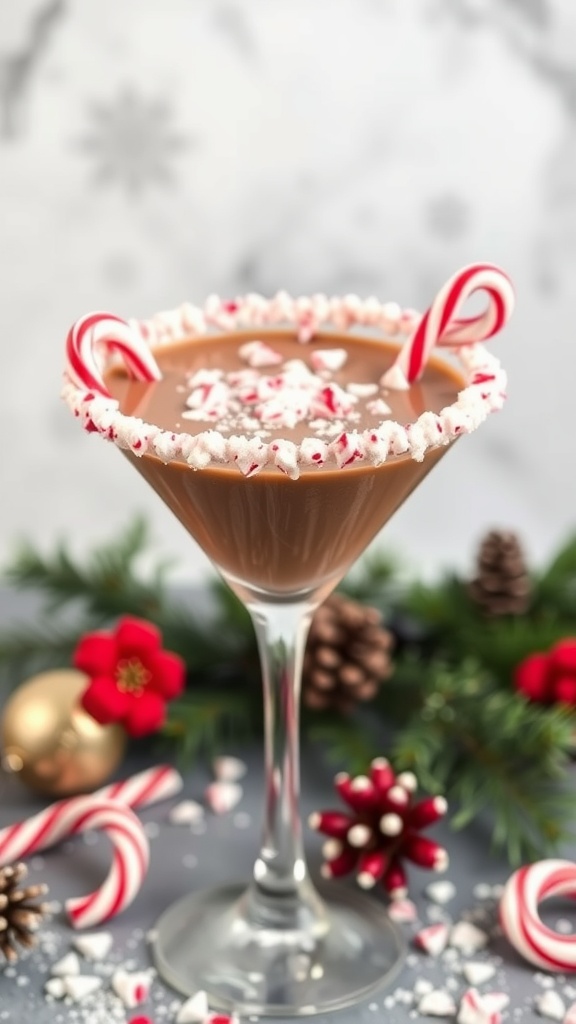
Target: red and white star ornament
x=381, y=829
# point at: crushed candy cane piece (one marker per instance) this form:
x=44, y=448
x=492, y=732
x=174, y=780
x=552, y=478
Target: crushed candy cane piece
x=80, y=986
x=473, y=1010
x=441, y=892
x=433, y=939
x=187, y=812
x=132, y=987
x=222, y=797
x=258, y=353
x=229, y=769
x=550, y=1004
x=496, y=1001
x=95, y=946
x=55, y=987
x=194, y=1010
x=328, y=358
x=437, y=1003
x=477, y=972
x=66, y=967
x=466, y=937
x=402, y=911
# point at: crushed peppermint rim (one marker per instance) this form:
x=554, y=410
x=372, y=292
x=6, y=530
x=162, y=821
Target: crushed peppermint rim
x=483, y=392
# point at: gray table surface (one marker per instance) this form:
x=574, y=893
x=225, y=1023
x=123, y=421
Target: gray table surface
x=223, y=850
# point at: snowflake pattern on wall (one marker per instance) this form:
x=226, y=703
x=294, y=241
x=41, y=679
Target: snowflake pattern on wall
x=132, y=143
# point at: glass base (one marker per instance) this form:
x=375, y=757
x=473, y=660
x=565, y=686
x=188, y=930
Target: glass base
x=205, y=941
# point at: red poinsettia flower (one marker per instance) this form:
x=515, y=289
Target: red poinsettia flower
x=131, y=676
x=549, y=677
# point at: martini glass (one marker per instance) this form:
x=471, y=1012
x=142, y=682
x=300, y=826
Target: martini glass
x=281, y=945
x=282, y=538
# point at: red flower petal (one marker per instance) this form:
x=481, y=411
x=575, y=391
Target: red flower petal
x=104, y=701
x=96, y=654
x=564, y=690
x=168, y=674
x=136, y=636
x=563, y=657
x=532, y=677
x=146, y=714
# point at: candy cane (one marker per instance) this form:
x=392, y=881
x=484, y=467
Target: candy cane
x=104, y=329
x=148, y=787
x=70, y=818
x=520, y=920
x=441, y=325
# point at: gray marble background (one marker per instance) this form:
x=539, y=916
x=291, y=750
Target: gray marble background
x=152, y=152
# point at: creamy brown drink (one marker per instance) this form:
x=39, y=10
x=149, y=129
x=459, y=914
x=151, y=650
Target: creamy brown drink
x=269, y=531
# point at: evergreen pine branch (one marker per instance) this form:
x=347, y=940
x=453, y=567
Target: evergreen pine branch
x=344, y=740
x=374, y=579
x=562, y=568
x=109, y=584
x=204, y=722
x=509, y=761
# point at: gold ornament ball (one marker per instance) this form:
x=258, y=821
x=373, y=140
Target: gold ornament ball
x=47, y=738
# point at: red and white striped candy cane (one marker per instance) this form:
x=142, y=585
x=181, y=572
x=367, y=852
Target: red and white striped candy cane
x=147, y=787
x=72, y=817
x=441, y=325
x=521, y=922
x=97, y=330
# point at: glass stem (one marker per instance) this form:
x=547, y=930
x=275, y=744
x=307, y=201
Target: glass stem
x=281, y=894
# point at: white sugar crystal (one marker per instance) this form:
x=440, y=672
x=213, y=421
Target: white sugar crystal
x=194, y=1010
x=132, y=988
x=422, y=987
x=229, y=769
x=67, y=966
x=549, y=1004
x=466, y=937
x=437, y=914
x=55, y=987
x=563, y=926
x=81, y=986
x=437, y=1003
x=441, y=892
x=482, y=891
x=477, y=972
x=94, y=946
x=223, y=796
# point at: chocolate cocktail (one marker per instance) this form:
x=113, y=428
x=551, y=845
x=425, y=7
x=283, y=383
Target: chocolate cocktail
x=284, y=434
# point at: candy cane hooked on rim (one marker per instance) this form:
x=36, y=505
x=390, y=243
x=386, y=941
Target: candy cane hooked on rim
x=441, y=325
x=521, y=922
x=72, y=817
x=97, y=330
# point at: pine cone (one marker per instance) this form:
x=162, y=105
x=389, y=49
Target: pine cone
x=347, y=655
x=502, y=586
x=20, y=912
